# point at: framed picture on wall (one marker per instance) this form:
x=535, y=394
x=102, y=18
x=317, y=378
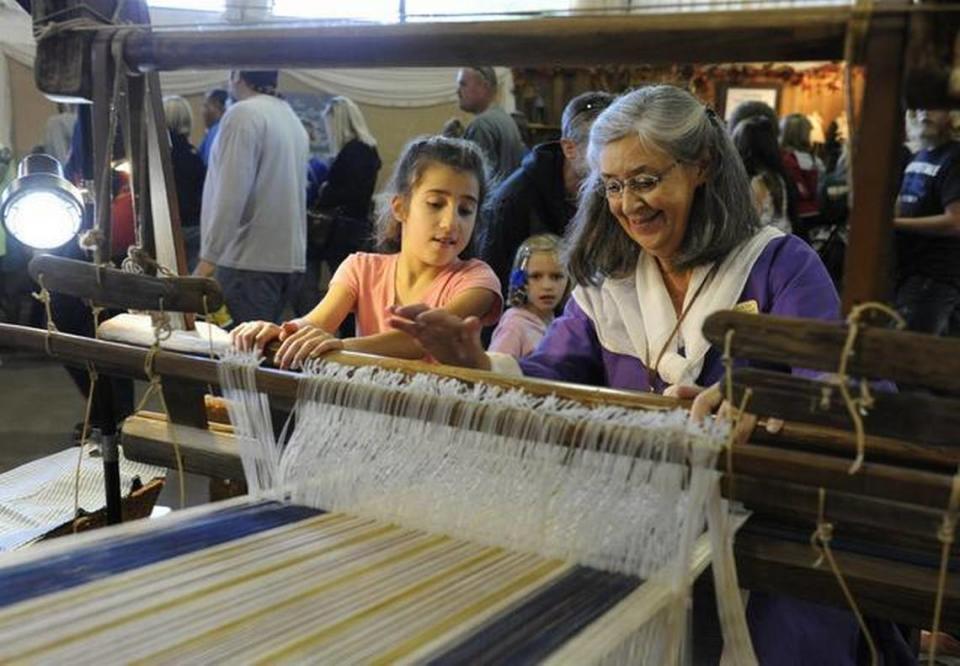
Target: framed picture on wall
x=732, y=96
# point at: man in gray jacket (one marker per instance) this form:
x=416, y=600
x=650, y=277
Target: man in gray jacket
x=253, y=219
x=493, y=129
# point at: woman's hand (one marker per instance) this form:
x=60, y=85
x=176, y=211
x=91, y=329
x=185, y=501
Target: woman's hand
x=252, y=335
x=301, y=341
x=445, y=336
x=683, y=391
x=710, y=400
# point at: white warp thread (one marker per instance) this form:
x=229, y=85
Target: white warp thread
x=498, y=467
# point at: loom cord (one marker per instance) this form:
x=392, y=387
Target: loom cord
x=857, y=408
x=820, y=541
x=728, y=383
x=377, y=422
x=206, y=318
x=378, y=444
x=44, y=297
x=733, y=619
x=95, y=310
x=157, y=387
x=84, y=433
x=946, y=535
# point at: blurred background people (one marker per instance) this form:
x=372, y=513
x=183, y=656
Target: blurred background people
x=189, y=172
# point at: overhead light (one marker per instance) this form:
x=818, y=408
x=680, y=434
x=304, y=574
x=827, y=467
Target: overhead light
x=40, y=208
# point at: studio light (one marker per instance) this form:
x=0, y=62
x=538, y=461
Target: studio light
x=40, y=208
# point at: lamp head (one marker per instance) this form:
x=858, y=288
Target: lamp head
x=40, y=208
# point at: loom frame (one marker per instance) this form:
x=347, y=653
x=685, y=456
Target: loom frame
x=889, y=41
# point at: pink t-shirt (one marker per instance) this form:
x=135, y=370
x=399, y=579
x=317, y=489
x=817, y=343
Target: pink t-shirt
x=518, y=333
x=372, y=279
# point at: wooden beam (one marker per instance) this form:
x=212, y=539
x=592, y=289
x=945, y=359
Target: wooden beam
x=923, y=488
x=843, y=443
x=900, y=356
x=148, y=438
x=733, y=36
x=115, y=288
x=929, y=423
x=900, y=592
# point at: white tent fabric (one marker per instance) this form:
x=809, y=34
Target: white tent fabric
x=399, y=87
x=16, y=42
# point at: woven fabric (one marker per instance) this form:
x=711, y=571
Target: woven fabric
x=39, y=496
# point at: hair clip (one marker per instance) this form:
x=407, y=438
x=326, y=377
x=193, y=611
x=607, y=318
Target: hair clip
x=518, y=278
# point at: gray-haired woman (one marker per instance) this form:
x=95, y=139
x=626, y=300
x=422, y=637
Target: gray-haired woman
x=665, y=235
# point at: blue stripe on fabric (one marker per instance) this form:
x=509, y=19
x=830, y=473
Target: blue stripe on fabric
x=532, y=630
x=99, y=560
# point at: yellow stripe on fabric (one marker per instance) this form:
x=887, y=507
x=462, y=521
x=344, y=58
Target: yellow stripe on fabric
x=105, y=586
x=412, y=644
x=196, y=594
x=303, y=644
x=348, y=577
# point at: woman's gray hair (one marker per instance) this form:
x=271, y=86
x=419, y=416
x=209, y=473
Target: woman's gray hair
x=675, y=122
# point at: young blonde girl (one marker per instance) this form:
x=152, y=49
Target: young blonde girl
x=427, y=222
x=538, y=283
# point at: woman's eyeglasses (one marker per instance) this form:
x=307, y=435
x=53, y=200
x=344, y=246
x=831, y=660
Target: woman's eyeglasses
x=638, y=185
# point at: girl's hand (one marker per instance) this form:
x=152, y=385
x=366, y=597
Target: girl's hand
x=252, y=335
x=302, y=341
x=445, y=336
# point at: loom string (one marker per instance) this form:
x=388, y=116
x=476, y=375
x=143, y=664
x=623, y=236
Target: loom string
x=44, y=297
x=415, y=474
x=733, y=623
x=820, y=541
x=376, y=443
x=945, y=535
x=857, y=408
x=727, y=360
x=92, y=374
x=161, y=324
x=206, y=319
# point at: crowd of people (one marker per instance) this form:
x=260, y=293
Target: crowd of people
x=263, y=216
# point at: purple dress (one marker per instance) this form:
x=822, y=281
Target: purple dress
x=788, y=279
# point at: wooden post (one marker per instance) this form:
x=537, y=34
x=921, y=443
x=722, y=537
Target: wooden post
x=102, y=144
x=868, y=266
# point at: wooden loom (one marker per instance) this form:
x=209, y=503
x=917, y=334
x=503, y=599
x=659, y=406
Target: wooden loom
x=905, y=485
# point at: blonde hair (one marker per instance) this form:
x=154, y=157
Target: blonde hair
x=345, y=123
x=540, y=243
x=178, y=114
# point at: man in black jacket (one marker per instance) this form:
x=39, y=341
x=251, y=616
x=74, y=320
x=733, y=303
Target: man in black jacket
x=540, y=196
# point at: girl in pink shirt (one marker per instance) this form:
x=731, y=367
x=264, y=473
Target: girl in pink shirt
x=538, y=282
x=432, y=202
